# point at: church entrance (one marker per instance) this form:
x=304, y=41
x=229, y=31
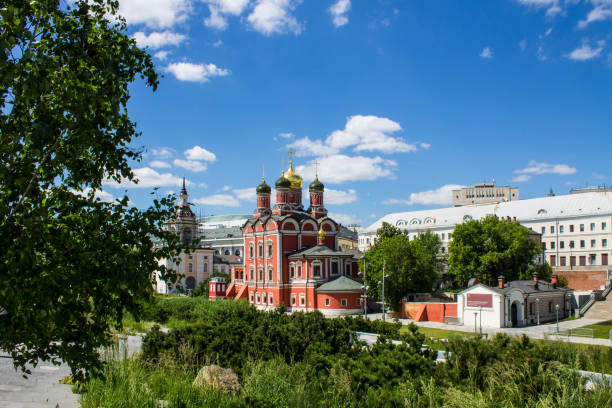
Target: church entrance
x=190, y=283
x=514, y=314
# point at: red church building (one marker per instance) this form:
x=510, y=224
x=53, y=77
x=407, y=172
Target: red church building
x=291, y=255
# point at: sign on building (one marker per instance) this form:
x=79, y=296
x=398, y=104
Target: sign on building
x=479, y=300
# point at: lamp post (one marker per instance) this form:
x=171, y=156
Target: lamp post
x=538, y=309
x=383, y=289
x=365, y=288
x=480, y=321
x=557, y=309
x=475, y=325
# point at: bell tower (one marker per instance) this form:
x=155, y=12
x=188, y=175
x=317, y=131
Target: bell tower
x=184, y=223
x=316, y=190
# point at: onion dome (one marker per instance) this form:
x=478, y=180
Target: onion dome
x=263, y=188
x=294, y=178
x=316, y=185
x=283, y=182
x=321, y=232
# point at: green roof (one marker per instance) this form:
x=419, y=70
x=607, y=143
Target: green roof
x=316, y=251
x=341, y=284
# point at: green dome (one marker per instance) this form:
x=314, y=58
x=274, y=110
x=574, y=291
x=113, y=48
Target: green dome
x=283, y=182
x=316, y=185
x=263, y=188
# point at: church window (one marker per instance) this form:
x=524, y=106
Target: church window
x=293, y=299
x=326, y=301
x=302, y=300
x=316, y=270
x=343, y=302
x=251, y=250
x=334, y=267
x=252, y=274
x=190, y=267
x=260, y=250
x=251, y=296
x=257, y=298
x=348, y=270
x=261, y=274
x=291, y=271
x=270, y=277
x=205, y=267
x=270, y=299
x=299, y=271
x=269, y=249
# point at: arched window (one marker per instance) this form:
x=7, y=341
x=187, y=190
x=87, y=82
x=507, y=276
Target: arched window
x=260, y=250
x=205, y=267
x=299, y=270
x=270, y=274
x=269, y=249
x=227, y=252
x=252, y=274
x=260, y=274
x=251, y=250
x=190, y=283
x=237, y=252
x=190, y=267
x=291, y=270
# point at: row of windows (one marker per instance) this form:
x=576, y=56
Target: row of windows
x=260, y=299
x=190, y=267
x=260, y=250
x=582, y=244
x=581, y=227
x=582, y=260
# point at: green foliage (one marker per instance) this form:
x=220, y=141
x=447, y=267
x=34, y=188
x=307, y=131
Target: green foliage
x=387, y=231
x=70, y=263
x=412, y=266
x=491, y=247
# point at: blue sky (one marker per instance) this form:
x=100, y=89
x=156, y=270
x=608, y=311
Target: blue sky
x=398, y=101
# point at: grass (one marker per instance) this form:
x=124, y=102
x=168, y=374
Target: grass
x=600, y=330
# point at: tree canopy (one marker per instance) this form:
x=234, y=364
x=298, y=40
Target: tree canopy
x=70, y=263
x=491, y=247
x=412, y=265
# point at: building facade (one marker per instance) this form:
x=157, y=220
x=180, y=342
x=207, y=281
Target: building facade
x=291, y=254
x=576, y=231
x=484, y=193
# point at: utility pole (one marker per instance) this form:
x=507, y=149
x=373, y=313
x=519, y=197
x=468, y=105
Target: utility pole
x=383, y=290
x=365, y=289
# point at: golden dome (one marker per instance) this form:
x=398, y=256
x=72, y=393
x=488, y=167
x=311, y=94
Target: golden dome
x=292, y=176
x=321, y=232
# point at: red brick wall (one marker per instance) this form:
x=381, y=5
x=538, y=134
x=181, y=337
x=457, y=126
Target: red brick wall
x=584, y=280
x=428, y=312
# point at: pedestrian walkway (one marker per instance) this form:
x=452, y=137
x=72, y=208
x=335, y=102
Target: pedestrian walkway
x=42, y=389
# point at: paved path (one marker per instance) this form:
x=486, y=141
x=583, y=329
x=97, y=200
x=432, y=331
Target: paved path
x=41, y=390
x=537, y=332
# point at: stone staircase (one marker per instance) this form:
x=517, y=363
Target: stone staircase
x=601, y=310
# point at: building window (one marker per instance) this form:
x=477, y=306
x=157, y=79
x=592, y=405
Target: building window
x=190, y=256
x=543, y=230
x=251, y=296
x=293, y=299
x=269, y=250
x=562, y=261
x=552, y=229
x=593, y=243
x=592, y=226
x=582, y=260
x=561, y=244
x=561, y=229
x=572, y=261
x=190, y=267
x=260, y=250
x=550, y=307
x=252, y=274
x=270, y=299
x=553, y=260
x=316, y=271
x=603, y=226
x=552, y=245
x=544, y=246
x=291, y=271
x=443, y=236
x=604, y=259
x=582, y=243
x=572, y=228
x=299, y=270
x=257, y=298
x=343, y=302
x=531, y=307
x=326, y=301
x=592, y=259
x=604, y=243
x=270, y=275
x=251, y=250
x=302, y=300
x=334, y=267
x=571, y=244
x=260, y=274
x=581, y=227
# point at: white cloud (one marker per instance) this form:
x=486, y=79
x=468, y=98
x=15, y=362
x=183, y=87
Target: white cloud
x=440, y=196
x=369, y=133
x=553, y=11
x=155, y=13
x=218, y=200
x=161, y=55
x=540, y=54
x=599, y=176
x=339, y=11
x=191, y=165
x=147, y=177
x=600, y=13
x=486, y=53
x=199, y=153
x=233, y=7
x=585, y=52
x=216, y=20
x=521, y=178
x=186, y=71
x=158, y=39
x=545, y=168
x=340, y=197
x=226, y=188
x=286, y=135
x=217, y=43
x=424, y=145
x=99, y=194
x=274, y=17
x=344, y=219
x=159, y=164
x=552, y=6
x=340, y=168
x=523, y=45
x=307, y=147
x=245, y=194
x=163, y=152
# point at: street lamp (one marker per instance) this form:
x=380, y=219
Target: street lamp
x=538, y=309
x=557, y=309
x=365, y=288
x=475, y=324
x=480, y=321
x=383, y=289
